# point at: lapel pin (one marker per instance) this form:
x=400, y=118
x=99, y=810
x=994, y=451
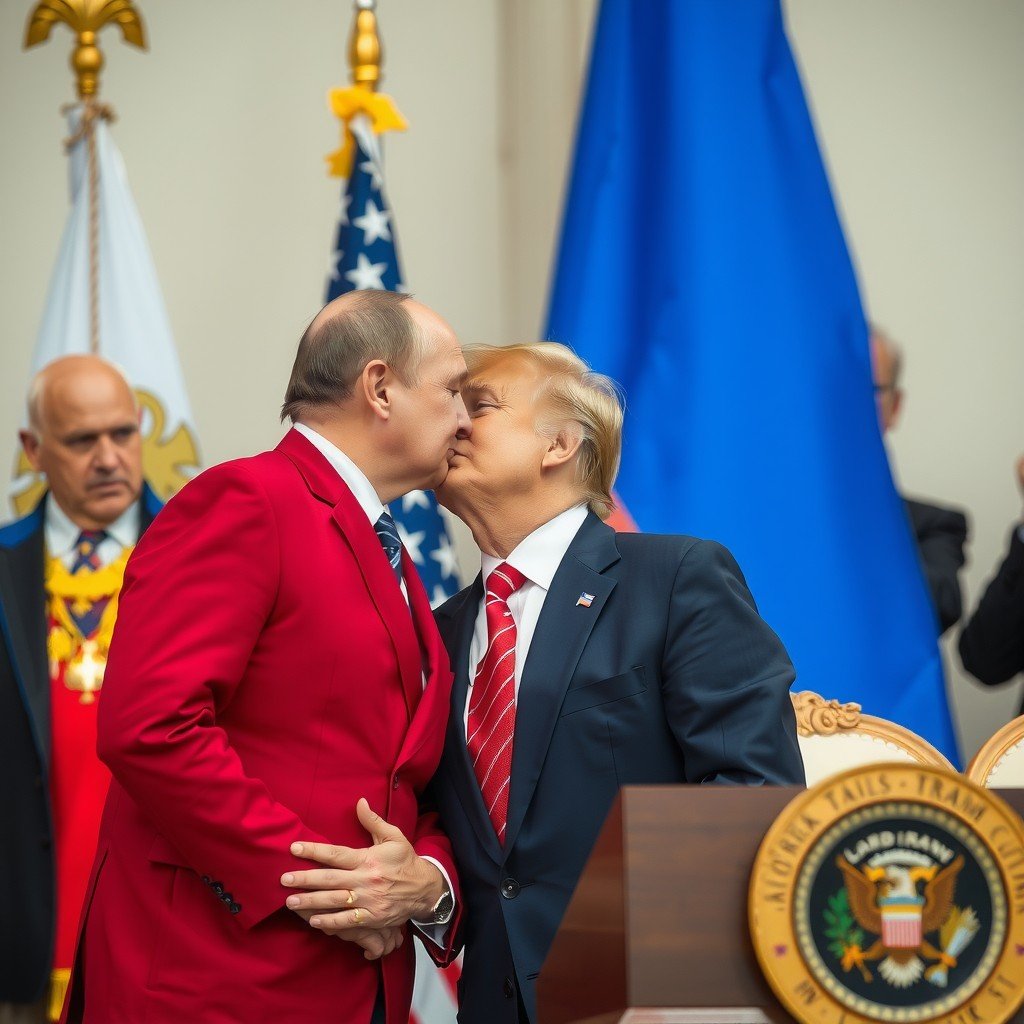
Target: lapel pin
x=585, y=600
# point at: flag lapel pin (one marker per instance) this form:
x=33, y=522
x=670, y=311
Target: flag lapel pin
x=585, y=600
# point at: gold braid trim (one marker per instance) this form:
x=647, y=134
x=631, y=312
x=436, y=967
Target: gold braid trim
x=59, y=980
x=65, y=641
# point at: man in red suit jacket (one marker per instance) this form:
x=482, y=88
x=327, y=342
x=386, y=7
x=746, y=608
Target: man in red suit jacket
x=275, y=662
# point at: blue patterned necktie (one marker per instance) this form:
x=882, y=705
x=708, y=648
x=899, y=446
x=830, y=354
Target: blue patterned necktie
x=387, y=534
x=87, y=550
x=87, y=559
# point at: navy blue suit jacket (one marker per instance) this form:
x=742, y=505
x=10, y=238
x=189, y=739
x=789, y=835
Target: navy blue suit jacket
x=26, y=829
x=670, y=676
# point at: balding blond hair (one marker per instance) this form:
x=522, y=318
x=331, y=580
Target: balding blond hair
x=570, y=393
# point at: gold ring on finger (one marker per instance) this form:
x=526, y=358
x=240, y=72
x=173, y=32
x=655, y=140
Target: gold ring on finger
x=355, y=915
x=351, y=897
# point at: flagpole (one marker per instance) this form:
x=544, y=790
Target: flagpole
x=86, y=18
x=365, y=55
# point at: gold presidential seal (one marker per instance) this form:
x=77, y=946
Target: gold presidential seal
x=892, y=893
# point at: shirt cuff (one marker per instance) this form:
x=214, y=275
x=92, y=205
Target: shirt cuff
x=436, y=930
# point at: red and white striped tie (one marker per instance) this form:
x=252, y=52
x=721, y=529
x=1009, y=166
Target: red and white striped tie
x=491, y=724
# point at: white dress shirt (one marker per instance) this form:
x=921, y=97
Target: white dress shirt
x=369, y=501
x=537, y=557
x=62, y=534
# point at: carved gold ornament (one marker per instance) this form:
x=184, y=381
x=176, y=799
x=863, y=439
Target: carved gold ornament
x=85, y=18
x=816, y=716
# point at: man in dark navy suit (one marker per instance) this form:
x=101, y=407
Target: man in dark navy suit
x=584, y=660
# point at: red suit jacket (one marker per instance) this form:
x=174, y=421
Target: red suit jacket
x=265, y=673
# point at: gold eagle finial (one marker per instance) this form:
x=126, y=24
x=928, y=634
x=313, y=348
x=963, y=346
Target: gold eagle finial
x=85, y=18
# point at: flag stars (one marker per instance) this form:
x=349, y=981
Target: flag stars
x=373, y=169
x=346, y=199
x=444, y=555
x=411, y=542
x=373, y=224
x=415, y=499
x=332, y=270
x=366, y=274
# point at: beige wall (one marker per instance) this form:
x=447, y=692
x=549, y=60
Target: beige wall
x=223, y=125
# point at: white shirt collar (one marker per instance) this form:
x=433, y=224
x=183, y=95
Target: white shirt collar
x=538, y=556
x=353, y=476
x=62, y=533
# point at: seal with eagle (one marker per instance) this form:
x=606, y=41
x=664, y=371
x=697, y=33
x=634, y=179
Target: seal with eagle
x=886, y=903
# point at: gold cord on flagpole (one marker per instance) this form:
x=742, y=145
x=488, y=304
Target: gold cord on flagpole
x=85, y=18
x=92, y=111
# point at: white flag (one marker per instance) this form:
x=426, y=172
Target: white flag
x=134, y=331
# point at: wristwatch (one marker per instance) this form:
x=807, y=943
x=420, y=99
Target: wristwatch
x=442, y=910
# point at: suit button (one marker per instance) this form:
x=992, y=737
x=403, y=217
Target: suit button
x=235, y=908
x=218, y=888
x=508, y=988
x=510, y=888
x=394, y=784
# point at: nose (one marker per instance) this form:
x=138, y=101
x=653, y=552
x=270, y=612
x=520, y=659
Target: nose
x=465, y=424
x=105, y=454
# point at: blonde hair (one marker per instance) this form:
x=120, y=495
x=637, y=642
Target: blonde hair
x=571, y=392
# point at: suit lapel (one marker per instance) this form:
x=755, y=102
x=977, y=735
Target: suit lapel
x=385, y=593
x=348, y=515
x=23, y=620
x=558, y=641
x=435, y=693
x=457, y=759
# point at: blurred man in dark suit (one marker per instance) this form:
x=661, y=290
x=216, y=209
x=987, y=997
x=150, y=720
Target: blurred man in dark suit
x=941, y=533
x=992, y=643
x=60, y=572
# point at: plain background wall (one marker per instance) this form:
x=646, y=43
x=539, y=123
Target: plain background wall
x=223, y=126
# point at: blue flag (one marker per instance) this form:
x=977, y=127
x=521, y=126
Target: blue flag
x=366, y=256
x=703, y=266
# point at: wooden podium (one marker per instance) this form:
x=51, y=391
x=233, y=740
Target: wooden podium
x=657, y=932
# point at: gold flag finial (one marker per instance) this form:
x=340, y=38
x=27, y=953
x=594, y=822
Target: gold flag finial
x=364, y=52
x=361, y=97
x=85, y=18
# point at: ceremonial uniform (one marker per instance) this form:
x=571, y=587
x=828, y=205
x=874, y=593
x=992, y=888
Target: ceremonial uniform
x=58, y=602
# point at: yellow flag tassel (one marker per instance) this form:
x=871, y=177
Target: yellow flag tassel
x=346, y=103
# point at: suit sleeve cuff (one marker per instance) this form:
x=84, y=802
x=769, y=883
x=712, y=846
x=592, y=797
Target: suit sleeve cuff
x=437, y=931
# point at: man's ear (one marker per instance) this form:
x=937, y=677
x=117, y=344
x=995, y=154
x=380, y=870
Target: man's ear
x=564, y=446
x=375, y=386
x=30, y=445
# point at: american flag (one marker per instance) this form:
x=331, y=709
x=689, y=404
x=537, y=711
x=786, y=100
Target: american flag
x=365, y=255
